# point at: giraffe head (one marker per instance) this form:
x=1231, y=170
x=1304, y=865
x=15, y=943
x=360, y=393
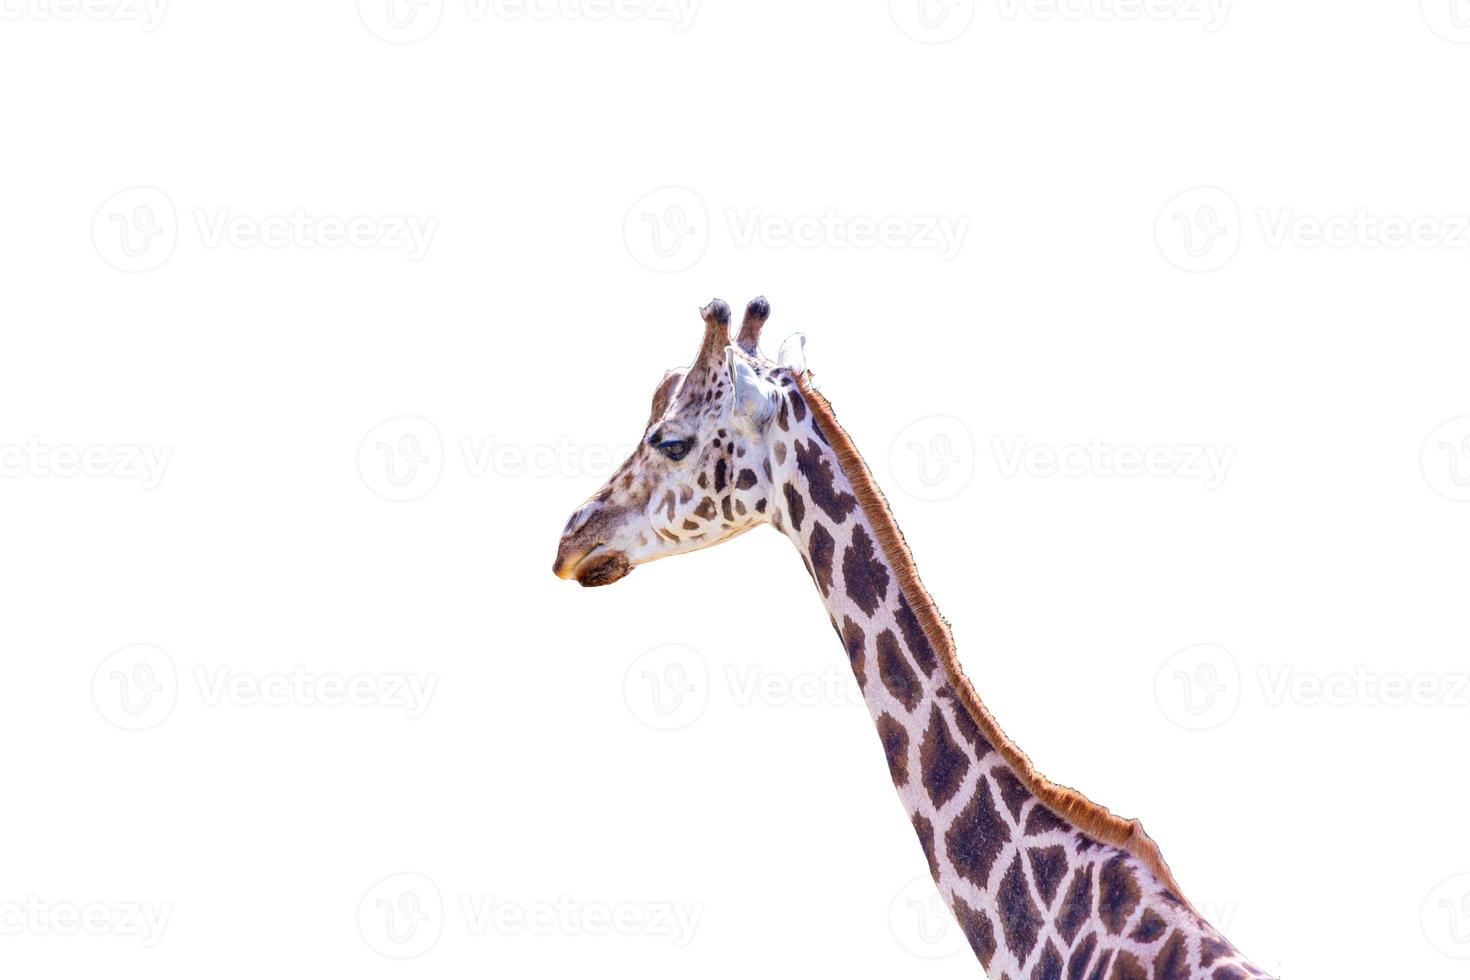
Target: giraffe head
x=701, y=473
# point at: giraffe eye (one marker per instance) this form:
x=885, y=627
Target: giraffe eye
x=675, y=449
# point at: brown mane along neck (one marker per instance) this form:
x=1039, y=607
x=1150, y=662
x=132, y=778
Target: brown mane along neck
x=1090, y=818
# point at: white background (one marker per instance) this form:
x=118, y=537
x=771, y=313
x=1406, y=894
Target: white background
x=1313, y=814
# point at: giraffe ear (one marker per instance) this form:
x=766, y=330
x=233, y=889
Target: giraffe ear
x=755, y=399
x=793, y=353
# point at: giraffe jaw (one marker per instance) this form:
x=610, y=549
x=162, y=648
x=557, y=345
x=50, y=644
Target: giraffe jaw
x=605, y=569
x=595, y=567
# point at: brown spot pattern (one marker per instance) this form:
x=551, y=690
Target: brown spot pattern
x=914, y=636
x=942, y=763
x=816, y=468
x=976, y=837
x=1081, y=956
x=1011, y=790
x=864, y=576
x=1150, y=926
x=1172, y=963
x=1077, y=906
x=1040, y=820
x=978, y=930
x=1049, y=967
x=795, y=506
x=822, y=549
x=852, y=639
x=894, y=669
x=1127, y=967
x=1048, y=865
x=964, y=724
x=1019, y=918
x=925, y=830
x=1118, y=893
x=798, y=406
x=895, y=747
x=1211, y=949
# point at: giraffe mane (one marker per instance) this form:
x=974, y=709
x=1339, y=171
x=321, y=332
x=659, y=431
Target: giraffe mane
x=1091, y=818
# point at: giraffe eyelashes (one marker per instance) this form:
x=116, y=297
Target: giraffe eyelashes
x=675, y=449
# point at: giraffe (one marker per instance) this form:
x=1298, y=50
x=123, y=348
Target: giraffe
x=1044, y=883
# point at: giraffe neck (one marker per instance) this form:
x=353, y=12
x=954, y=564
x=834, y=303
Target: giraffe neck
x=1039, y=878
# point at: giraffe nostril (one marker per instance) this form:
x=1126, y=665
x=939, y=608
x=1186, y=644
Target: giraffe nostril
x=579, y=520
